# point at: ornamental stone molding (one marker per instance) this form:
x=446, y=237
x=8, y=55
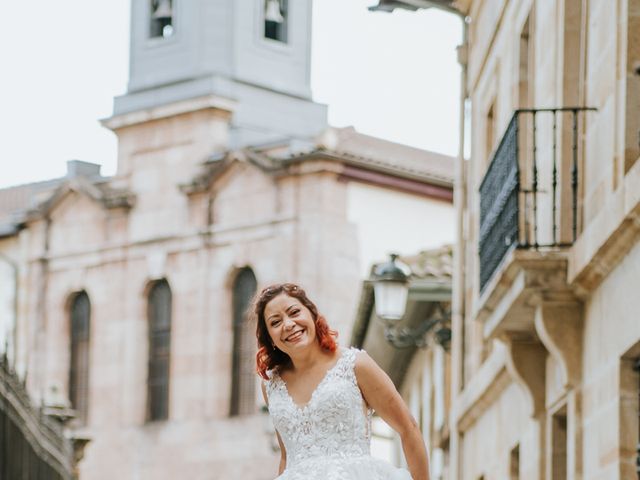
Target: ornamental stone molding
x=560, y=328
x=528, y=278
x=525, y=362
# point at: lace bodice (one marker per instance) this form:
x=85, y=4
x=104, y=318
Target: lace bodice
x=334, y=423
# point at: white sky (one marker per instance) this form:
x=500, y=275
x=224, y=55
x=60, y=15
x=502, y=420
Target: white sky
x=393, y=76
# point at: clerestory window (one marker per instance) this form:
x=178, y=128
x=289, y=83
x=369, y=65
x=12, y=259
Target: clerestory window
x=243, y=396
x=80, y=314
x=159, y=324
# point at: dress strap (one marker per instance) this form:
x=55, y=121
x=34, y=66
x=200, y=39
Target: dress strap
x=272, y=383
x=350, y=356
x=345, y=366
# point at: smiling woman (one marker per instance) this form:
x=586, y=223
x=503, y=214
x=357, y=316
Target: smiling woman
x=270, y=357
x=321, y=397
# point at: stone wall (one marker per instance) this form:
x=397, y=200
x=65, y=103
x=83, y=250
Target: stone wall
x=555, y=54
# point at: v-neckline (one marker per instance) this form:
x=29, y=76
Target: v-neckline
x=325, y=376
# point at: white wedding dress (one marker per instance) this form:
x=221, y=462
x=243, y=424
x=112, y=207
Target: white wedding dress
x=329, y=437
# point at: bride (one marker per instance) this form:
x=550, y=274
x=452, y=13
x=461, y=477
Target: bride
x=321, y=397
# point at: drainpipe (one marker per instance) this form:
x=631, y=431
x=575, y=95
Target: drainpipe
x=458, y=299
x=459, y=200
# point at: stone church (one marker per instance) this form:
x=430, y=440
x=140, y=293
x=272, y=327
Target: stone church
x=126, y=295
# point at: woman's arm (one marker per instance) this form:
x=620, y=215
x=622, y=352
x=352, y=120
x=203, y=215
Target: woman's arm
x=283, y=455
x=381, y=395
x=283, y=451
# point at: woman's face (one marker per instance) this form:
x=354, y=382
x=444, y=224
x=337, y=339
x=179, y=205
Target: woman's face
x=289, y=323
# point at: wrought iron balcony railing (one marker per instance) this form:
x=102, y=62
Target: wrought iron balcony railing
x=529, y=197
x=32, y=444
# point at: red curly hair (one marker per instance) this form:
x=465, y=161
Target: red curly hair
x=268, y=356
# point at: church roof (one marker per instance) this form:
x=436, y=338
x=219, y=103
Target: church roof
x=346, y=146
x=359, y=156
x=376, y=151
x=362, y=150
x=16, y=201
x=21, y=202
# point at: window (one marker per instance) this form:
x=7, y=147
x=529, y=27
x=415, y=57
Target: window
x=525, y=67
x=631, y=106
x=490, y=129
x=559, y=444
x=629, y=414
x=514, y=463
x=161, y=18
x=276, y=20
x=159, y=318
x=243, y=398
x=79, y=364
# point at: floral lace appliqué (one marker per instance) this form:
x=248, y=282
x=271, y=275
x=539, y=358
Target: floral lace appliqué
x=334, y=423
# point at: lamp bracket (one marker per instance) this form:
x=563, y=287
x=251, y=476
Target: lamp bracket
x=405, y=337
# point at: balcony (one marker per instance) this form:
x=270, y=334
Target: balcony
x=530, y=212
x=34, y=443
x=529, y=195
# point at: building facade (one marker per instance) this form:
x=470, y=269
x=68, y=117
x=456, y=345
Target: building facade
x=129, y=293
x=547, y=340
x=546, y=336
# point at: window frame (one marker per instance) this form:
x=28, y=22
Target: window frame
x=285, y=10
x=242, y=398
x=159, y=351
x=79, y=355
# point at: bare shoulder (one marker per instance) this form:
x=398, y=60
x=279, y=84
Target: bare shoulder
x=377, y=389
x=366, y=367
x=363, y=361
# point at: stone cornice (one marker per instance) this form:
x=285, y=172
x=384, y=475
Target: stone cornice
x=345, y=166
x=604, y=260
x=193, y=240
x=210, y=102
x=608, y=238
x=526, y=279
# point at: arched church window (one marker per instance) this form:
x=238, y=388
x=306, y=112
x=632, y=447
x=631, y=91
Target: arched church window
x=276, y=19
x=161, y=15
x=80, y=313
x=243, y=358
x=159, y=320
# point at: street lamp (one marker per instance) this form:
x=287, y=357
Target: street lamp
x=391, y=288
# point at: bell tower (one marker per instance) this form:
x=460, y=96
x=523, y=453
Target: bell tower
x=254, y=53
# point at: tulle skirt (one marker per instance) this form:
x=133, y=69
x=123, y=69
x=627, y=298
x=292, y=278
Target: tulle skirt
x=349, y=468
